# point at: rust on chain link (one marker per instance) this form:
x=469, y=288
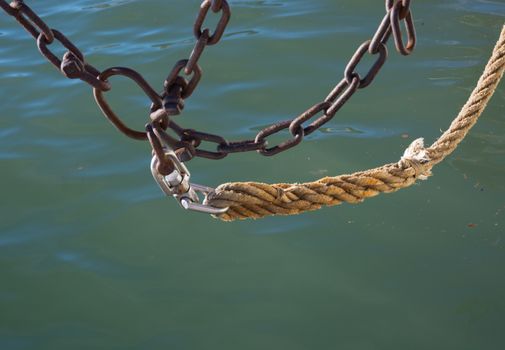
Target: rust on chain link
x=200, y=45
x=31, y=21
x=217, y=5
x=190, y=135
x=107, y=110
x=186, y=74
x=340, y=95
x=273, y=129
x=72, y=65
x=401, y=10
x=350, y=69
x=8, y=8
x=221, y=25
x=313, y=111
x=189, y=86
x=165, y=165
x=42, y=43
x=381, y=36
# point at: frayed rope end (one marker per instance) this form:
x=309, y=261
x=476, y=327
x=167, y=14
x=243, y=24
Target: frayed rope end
x=416, y=157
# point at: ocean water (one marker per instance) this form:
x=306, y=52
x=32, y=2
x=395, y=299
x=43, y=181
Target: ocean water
x=93, y=256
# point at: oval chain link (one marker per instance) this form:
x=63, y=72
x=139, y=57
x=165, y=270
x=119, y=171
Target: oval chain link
x=221, y=25
x=350, y=70
x=31, y=21
x=107, y=110
x=401, y=11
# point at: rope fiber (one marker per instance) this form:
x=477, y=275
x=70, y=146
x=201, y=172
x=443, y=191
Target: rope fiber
x=256, y=200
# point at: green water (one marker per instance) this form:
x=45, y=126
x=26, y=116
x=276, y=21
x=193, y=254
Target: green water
x=92, y=256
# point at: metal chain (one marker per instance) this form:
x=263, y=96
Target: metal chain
x=185, y=76
x=189, y=142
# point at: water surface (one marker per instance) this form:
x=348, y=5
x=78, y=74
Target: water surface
x=92, y=256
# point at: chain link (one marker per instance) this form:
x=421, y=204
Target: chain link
x=107, y=110
x=401, y=11
x=186, y=74
x=221, y=25
x=31, y=21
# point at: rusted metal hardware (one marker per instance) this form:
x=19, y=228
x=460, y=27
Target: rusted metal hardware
x=221, y=25
x=169, y=151
x=107, y=110
x=397, y=10
x=320, y=113
x=186, y=74
x=401, y=11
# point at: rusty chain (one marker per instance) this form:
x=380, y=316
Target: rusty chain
x=185, y=76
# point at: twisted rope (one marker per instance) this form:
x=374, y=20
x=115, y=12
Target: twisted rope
x=257, y=200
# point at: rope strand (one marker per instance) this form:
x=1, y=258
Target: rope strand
x=257, y=200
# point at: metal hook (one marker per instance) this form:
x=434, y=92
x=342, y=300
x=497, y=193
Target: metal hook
x=178, y=185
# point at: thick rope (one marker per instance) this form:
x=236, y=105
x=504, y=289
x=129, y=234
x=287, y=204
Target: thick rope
x=257, y=200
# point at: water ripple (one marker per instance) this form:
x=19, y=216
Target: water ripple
x=493, y=8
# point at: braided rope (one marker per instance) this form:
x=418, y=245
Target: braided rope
x=257, y=200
